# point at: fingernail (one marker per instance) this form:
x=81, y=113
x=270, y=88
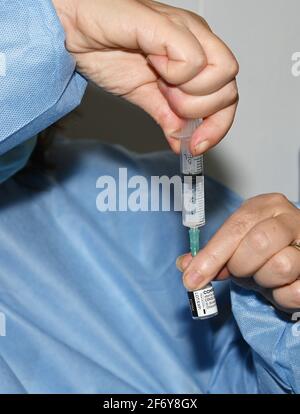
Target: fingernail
x=182, y=262
x=193, y=280
x=202, y=147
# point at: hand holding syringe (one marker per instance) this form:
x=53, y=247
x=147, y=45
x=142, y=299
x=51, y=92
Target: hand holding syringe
x=202, y=302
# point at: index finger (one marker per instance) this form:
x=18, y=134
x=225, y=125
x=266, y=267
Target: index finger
x=173, y=51
x=211, y=260
x=222, y=67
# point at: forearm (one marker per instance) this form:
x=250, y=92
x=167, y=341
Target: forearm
x=40, y=84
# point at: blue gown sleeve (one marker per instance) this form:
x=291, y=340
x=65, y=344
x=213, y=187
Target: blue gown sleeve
x=38, y=80
x=274, y=339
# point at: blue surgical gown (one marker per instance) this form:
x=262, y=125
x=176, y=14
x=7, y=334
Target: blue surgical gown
x=93, y=302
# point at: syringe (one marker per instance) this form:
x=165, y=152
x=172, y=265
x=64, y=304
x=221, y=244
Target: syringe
x=202, y=302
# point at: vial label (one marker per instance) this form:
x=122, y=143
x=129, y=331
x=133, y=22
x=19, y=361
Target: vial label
x=203, y=302
x=193, y=208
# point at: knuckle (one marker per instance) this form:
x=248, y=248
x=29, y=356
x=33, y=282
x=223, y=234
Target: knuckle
x=282, y=265
x=233, y=94
x=182, y=110
x=197, y=60
x=236, y=98
x=204, y=267
x=212, y=259
x=234, y=67
x=234, y=268
x=251, y=202
x=258, y=240
x=200, y=62
x=190, y=16
x=177, y=18
x=241, y=220
x=230, y=65
x=277, y=198
x=276, y=295
x=261, y=280
x=296, y=296
x=239, y=226
x=249, y=206
x=178, y=102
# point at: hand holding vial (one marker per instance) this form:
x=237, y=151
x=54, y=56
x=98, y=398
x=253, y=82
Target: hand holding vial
x=259, y=245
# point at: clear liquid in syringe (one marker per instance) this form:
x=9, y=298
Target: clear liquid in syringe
x=193, y=191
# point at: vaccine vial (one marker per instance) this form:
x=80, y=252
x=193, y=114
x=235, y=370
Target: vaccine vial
x=203, y=303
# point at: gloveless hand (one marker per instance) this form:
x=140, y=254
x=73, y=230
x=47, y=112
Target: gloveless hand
x=164, y=59
x=254, y=245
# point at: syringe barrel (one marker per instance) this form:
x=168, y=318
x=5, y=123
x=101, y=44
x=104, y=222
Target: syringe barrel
x=189, y=165
x=193, y=199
